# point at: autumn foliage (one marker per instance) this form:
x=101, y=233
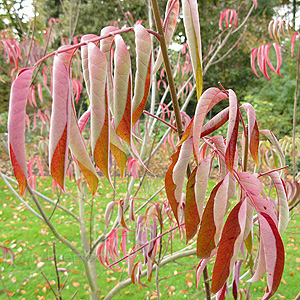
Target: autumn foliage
x=221, y=220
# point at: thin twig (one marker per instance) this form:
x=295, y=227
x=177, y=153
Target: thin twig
x=32, y=36
x=4, y=287
x=56, y=270
x=39, y=195
x=160, y=119
x=50, y=225
x=49, y=284
x=4, y=177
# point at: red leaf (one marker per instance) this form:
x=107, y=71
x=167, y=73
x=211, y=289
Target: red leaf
x=206, y=236
x=216, y=122
x=191, y=215
x=232, y=132
x=170, y=185
x=230, y=243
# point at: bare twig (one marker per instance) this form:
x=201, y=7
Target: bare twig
x=50, y=285
x=56, y=270
x=4, y=287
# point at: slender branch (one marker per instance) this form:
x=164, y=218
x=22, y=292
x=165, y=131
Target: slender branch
x=66, y=210
x=50, y=225
x=56, y=271
x=93, y=40
x=160, y=119
x=32, y=36
x=230, y=50
x=19, y=197
x=4, y=287
x=50, y=285
x=271, y=171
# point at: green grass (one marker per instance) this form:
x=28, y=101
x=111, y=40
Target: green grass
x=31, y=243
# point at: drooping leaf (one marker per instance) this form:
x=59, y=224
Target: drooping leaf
x=16, y=126
x=201, y=267
x=216, y=122
x=106, y=49
x=232, y=132
x=170, y=185
x=253, y=52
x=78, y=149
x=283, y=208
x=117, y=150
x=170, y=22
x=180, y=168
x=274, y=253
x=201, y=183
x=207, y=101
x=253, y=132
x=229, y=247
x=191, y=215
x=220, y=207
x=192, y=30
x=236, y=277
x=272, y=138
x=60, y=122
x=293, y=40
x=206, y=236
x=84, y=61
x=100, y=136
x=122, y=90
x=143, y=71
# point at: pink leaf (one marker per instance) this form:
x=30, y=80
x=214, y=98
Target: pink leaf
x=279, y=58
x=79, y=150
x=122, y=90
x=201, y=267
x=84, y=60
x=180, y=167
x=16, y=126
x=274, y=253
x=99, y=109
x=143, y=71
x=294, y=36
x=83, y=120
x=253, y=52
